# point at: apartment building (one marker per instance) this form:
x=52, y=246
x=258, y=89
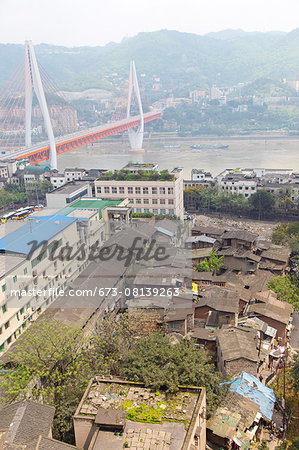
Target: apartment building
x=238, y=183
x=68, y=193
x=157, y=192
x=31, y=275
x=200, y=175
x=26, y=273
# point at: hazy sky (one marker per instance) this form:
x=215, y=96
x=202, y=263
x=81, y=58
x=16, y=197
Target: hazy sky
x=96, y=22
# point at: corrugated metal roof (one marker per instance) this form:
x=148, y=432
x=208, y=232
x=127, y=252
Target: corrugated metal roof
x=40, y=229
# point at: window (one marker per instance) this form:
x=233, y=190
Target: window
x=4, y=309
x=137, y=190
x=15, y=279
x=145, y=190
x=138, y=210
x=54, y=246
x=121, y=190
x=154, y=190
x=138, y=201
x=170, y=201
x=1, y=347
x=6, y=325
x=155, y=201
x=170, y=190
x=99, y=189
x=163, y=211
x=146, y=201
x=35, y=261
x=155, y=211
x=114, y=190
x=3, y=287
x=162, y=201
x=9, y=340
x=107, y=189
x=174, y=326
x=22, y=311
x=246, y=188
x=162, y=190
x=130, y=190
x=25, y=271
x=171, y=211
x=240, y=188
x=146, y=210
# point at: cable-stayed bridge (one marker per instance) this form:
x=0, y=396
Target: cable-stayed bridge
x=17, y=111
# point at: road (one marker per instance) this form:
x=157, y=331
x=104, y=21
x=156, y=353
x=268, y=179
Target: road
x=294, y=341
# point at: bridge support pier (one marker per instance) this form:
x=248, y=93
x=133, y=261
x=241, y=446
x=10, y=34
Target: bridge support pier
x=135, y=136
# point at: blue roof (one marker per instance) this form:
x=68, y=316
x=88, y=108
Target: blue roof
x=250, y=387
x=40, y=229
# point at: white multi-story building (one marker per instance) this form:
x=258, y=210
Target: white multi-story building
x=200, y=175
x=68, y=193
x=159, y=193
x=237, y=183
x=32, y=274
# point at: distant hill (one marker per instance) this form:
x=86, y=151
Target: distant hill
x=178, y=59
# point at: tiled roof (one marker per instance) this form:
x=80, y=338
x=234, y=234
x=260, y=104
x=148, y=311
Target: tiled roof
x=26, y=421
x=236, y=343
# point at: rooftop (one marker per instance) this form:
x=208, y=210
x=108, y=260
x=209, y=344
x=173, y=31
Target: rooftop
x=236, y=343
x=279, y=311
x=233, y=419
x=219, y=299
x=27, y=424
x=140, y=166
x=251, y=388
x=243, y=235
x=95, y=203
x=141, y=413
x=277, y=253
x=69, y=188
x=141, y=175
x=39, y=229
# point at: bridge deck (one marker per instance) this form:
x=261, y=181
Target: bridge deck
x=40, y=152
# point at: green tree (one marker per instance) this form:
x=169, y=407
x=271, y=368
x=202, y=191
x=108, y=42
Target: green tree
x=114, y=336
x=262, y=201
x=285, y=289
x=160, y=364
x=213, y=264
x=49, y=361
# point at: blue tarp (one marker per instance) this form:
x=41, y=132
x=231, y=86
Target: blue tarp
x=250, y=387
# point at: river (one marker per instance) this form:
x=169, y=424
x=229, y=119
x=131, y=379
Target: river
x=242, y=152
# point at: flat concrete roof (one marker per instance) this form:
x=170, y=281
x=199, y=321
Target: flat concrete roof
x=69, y=188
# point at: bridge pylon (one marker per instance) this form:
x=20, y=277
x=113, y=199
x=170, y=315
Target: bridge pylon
x=33, y=82
x=135, y=137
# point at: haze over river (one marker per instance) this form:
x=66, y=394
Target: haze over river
x=278, y=152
